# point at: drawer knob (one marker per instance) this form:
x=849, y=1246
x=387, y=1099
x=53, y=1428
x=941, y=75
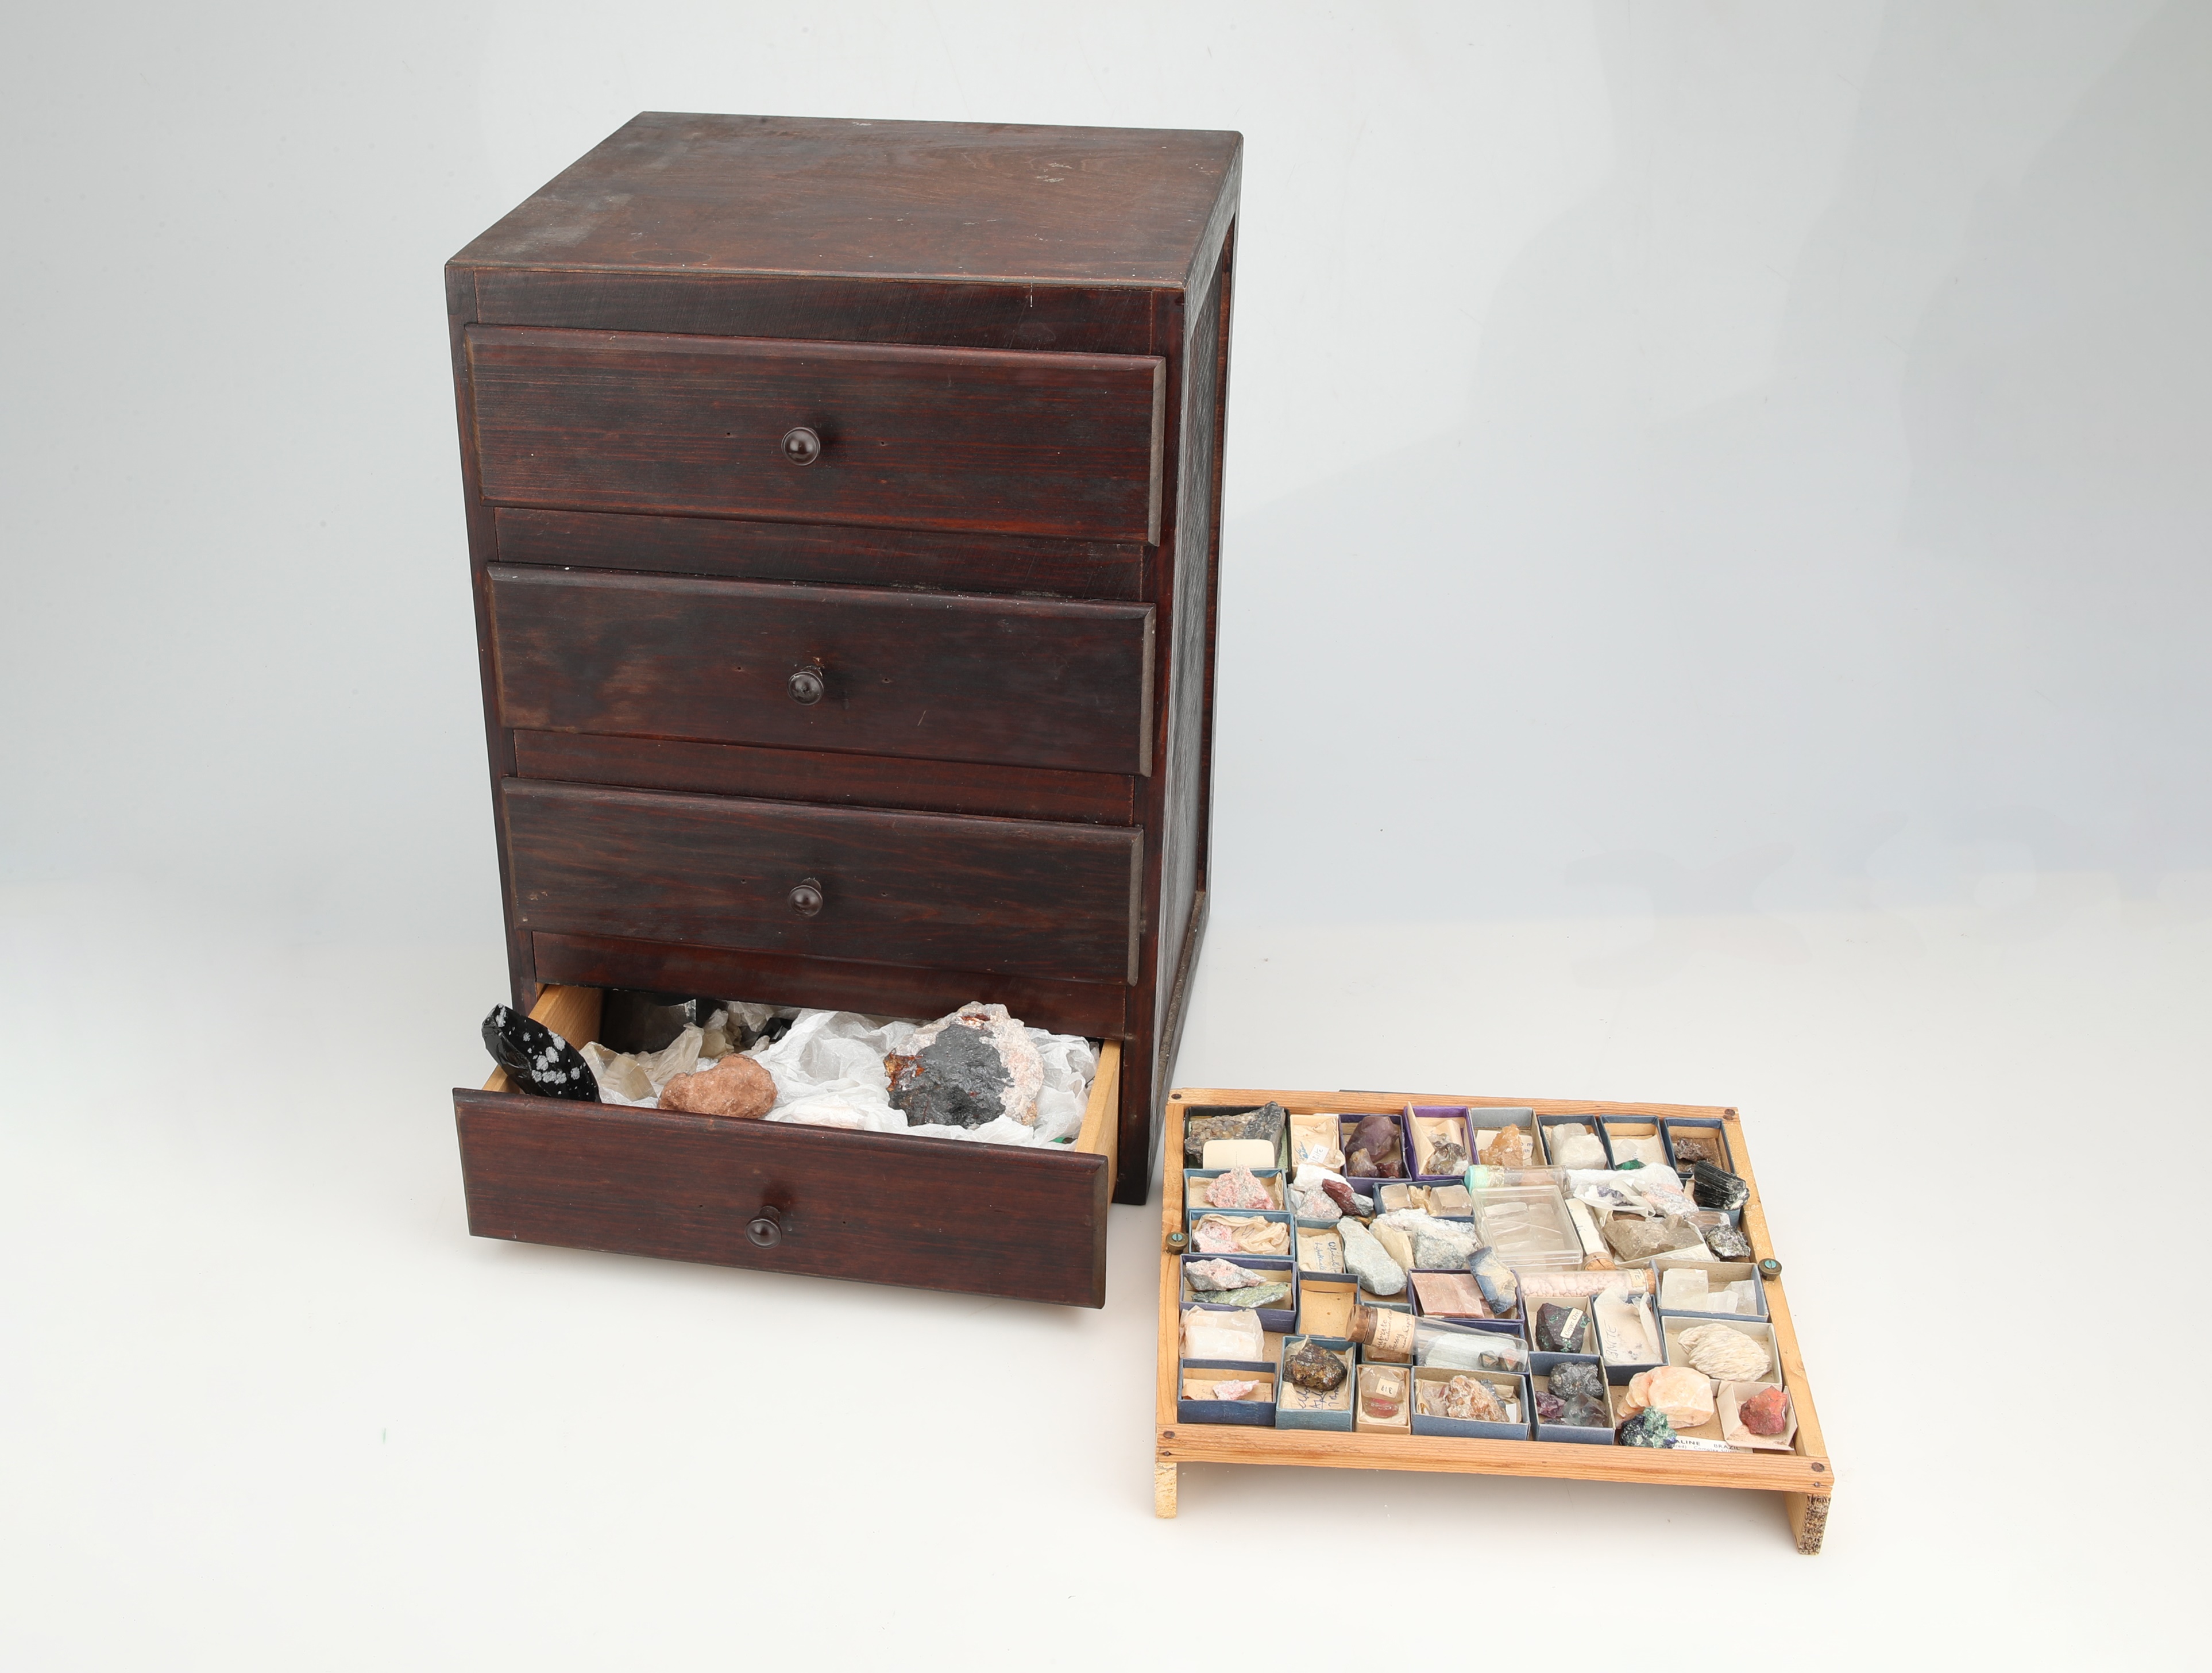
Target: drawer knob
x=807, y=897
x=765, y=1229
x=801, y=446
x=806, y=684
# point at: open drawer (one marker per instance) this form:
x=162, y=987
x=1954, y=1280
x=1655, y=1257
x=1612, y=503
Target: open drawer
x=882, y=1208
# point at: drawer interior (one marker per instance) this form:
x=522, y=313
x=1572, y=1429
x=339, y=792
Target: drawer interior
x=878, y=1208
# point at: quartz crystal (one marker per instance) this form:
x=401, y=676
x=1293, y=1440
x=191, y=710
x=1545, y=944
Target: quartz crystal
x=1647, y=1152
x=1585, y=1411
x=965, y=1069
x=1447, y=1156
x=1208, y=1335
x=1575, y=1147
x=1723, y=1351
x=1509, y=1147
x=1368, y=1261
x=1684, y=1289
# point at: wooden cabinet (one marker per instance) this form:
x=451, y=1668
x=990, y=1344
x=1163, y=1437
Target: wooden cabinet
x=843, y=504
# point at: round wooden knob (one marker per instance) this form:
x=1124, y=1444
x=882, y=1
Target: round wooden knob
x=807, y=897
x=765, y=1229
x=806, y=684
x=801, y=446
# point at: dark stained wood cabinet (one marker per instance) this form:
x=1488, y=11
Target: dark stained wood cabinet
x=844, y=505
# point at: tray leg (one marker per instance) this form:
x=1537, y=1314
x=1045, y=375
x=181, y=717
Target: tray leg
x=1809, y=1518
x=1163, y=1487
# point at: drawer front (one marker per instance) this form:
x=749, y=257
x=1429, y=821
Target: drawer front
x=883, y=1209
x=980, y=440
x=1023, y=682
x=1001, y=895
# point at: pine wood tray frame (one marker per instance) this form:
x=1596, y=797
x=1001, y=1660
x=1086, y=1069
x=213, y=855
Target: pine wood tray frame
x=1804, y=1477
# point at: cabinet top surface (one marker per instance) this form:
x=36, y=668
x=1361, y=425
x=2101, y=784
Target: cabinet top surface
x=908, y=200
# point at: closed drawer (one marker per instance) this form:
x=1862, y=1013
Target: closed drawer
x=884, y=1208
x=1022, y=682
x=1002, y=896
x=980, y=440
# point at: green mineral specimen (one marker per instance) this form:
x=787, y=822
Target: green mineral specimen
x=1253, y=1295
x=1649, y=1427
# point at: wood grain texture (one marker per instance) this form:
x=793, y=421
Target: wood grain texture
x=953, y=201
x=1009, y=896
x=845, y=781
x=1099, y=1010
x=941, y=676
x=1803, y=1477
x=821, y=552
x=965, y=439
x=683, y=1188
x=1097, y=319
x=884, y=1208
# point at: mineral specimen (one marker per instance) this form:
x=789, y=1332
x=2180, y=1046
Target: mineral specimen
x=1578, y=1377
x=1561, y=1329
x=1685, y=1289
x=736, y=1087
x=1447, y=1156
x=1727, y=1242
x=1690, y=1148
x=1382, y=1396
x=1576, y=1147
x=1316, y=1205
x=536, y=1059
x=1723, y=1351
x=1310, y=1365
x=1396, y=1243
x=1376, y=1151
x=1220, y=1276
x=1649, y=1427
x=1683, y=1394
x=1239, y=1187
x=1635, y=1238
x=1716, y=1188
x=1368, y=1261
x=1548, y=1408
x=1264, y=1122
x=1500, y=1288
x=1347, y=1199
x=1468, y=1400
x=1240, y=1234
x=1766, y=1413
x=1509, y=1147
x=965, y=1069
x=1449, y=1295
x=1208, y=1335
x=1647, y=1151
x=1501, y=1353
x=1236, y=1388
x=1585, y=1411
x=1257, y=1295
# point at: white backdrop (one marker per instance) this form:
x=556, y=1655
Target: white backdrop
x=1714, y=607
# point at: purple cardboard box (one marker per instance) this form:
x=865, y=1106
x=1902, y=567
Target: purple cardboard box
x=1444, y=1120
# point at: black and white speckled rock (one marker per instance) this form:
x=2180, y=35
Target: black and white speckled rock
x=536, y=1059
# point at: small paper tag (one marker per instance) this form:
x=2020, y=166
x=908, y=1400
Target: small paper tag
x=1394, y=1333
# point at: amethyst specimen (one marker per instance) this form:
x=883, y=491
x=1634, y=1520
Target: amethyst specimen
x=1375, y=1151
x=536, y=1059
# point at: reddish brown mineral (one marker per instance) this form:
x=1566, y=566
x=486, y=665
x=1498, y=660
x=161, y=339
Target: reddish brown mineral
x=736, y=1087
x=1376, y=1151
x=1766, y=1413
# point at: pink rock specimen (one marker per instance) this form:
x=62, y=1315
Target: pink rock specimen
x=736, y=1087
x=1239, y=1187
x=1683, y=1396
x=1236, y=1389
x=1766, y=1413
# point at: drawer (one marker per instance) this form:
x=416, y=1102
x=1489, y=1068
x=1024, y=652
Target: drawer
x=883, y=1209
x=1022, y=682
x=1000, y=896
x=981, y=439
